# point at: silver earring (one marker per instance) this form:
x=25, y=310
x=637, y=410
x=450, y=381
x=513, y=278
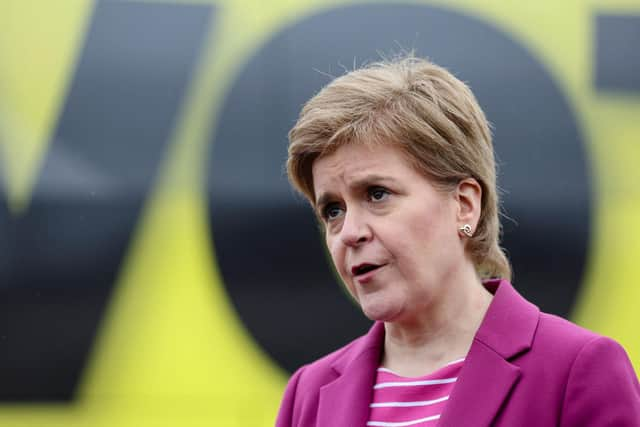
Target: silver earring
x=466, y=230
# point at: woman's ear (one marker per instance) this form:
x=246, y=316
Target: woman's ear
x=469, y=199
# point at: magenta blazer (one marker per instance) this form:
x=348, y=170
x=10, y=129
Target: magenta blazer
x=524, y=368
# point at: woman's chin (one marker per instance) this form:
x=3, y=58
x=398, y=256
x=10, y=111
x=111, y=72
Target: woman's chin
x=382, y=311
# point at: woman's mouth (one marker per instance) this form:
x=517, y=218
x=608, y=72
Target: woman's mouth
x=365, y=271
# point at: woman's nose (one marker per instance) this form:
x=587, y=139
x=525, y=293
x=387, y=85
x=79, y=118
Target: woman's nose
x=355, y=229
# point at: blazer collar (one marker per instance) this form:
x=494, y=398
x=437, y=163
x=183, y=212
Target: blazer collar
x=487, y=376
x=510, y=323
x=345, y=401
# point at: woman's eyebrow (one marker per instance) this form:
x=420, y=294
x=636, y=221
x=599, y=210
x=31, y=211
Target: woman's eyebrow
x=368, y=179
x=356, y=183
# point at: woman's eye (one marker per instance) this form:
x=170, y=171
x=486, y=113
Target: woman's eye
x=377, y=194
x=331, y=211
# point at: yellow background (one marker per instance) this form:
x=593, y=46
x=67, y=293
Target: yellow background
x=171, y=351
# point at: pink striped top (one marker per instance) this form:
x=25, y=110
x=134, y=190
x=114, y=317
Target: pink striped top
x=400, y=401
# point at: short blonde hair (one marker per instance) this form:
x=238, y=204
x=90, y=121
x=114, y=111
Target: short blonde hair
x=430, y=115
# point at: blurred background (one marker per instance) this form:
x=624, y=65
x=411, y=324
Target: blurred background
x=155, y=267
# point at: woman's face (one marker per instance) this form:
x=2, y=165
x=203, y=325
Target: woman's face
x=392, y=236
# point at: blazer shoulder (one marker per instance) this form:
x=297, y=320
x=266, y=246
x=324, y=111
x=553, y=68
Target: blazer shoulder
x=585, y=356
x=563, y=334
x=587, y=377
x=556, y=345
x=602, y=387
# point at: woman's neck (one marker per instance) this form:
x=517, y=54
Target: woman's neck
x=443, y=332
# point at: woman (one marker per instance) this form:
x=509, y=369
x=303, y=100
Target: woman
x=397, y=161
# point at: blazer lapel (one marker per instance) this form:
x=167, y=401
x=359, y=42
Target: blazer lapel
x=487, y=376
x=484, y=383
x=345, y=401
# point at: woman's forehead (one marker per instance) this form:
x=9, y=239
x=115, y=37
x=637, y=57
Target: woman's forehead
x=353, y=159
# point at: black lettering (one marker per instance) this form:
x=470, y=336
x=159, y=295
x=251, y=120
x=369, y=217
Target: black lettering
x=61, y=258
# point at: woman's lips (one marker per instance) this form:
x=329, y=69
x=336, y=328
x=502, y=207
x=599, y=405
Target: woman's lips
x=368, y=275
x=363, y=268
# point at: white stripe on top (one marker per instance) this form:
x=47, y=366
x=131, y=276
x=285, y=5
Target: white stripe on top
x=407, y=404
x=402, y=423
x=389, y=371
x=414, y=383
